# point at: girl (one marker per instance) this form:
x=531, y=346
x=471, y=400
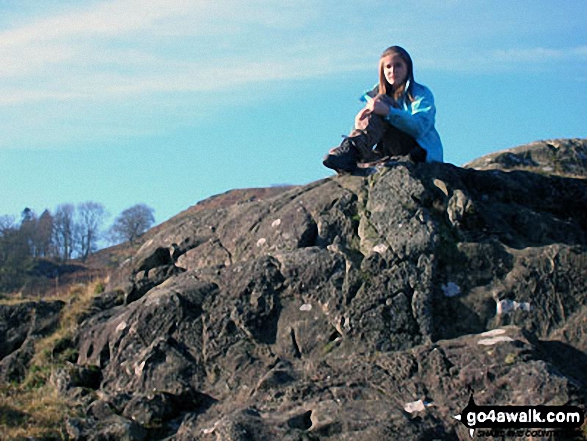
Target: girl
x=398, y=119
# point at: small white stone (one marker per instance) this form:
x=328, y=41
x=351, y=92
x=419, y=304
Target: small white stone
x=210, y=430
x=493, y=333
x=276, y=223
x=506, y=306
x=416, y=406
x=139, y=369
x=261, y=242
x=524, y=306
x=380, y=248
x=121, y=326
x=306, y=307
x=494, y=340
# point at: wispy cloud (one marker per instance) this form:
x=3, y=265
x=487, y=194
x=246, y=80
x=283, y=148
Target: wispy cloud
x=119, y=47
x=160, y=75
x=106, y=19
x=60, y=67
x=528, y=59
x=130, y=46
x=541, y=55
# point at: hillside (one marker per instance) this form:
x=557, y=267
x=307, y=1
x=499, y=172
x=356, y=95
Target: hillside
x=351, y=308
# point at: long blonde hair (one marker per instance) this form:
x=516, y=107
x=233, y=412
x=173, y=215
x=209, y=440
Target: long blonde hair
x=383, y=83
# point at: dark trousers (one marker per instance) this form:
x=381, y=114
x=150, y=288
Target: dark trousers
x=380, y=140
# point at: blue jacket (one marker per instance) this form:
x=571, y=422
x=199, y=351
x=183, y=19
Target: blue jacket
x=417, y=120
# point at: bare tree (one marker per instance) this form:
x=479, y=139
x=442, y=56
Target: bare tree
x=64, y=229
x=133, y=222
x=90, y=219
x=6, y=224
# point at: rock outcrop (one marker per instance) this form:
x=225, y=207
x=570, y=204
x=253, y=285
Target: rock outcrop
x=349, y=308
x=21, y=325
x=563, y=157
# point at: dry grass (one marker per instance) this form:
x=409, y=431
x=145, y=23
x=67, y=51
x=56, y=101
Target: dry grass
x=65, y=292
x=33, y=409
x=37, y=413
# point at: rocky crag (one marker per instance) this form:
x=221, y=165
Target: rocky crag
x=352, y=308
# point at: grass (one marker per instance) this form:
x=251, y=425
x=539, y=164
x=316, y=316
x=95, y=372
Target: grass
x=33, y=409
x=37, y=413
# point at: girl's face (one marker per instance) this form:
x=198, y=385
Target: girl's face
x=395, y=70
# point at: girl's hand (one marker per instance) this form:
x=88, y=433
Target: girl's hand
x=378, y=107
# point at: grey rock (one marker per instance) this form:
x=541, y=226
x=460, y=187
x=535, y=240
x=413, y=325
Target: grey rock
x=21, y=325
x=73, y=375
x=320, y=312
x=567, y=157
x=14, y=366
x=112, y=428
x=19, y=321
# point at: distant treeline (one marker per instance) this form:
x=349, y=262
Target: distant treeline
x=70, y=232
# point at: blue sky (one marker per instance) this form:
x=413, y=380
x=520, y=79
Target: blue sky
x=168, y=102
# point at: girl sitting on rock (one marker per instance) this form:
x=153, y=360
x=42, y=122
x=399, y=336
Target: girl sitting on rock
x=398, y=119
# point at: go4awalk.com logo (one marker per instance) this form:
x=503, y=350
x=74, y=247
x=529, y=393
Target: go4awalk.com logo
x=517, y=420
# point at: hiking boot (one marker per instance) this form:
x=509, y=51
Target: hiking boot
x=342, y=158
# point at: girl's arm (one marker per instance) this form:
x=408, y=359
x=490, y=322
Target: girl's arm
x=418, y=119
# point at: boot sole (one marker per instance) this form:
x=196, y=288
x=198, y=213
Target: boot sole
x=332, y=163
